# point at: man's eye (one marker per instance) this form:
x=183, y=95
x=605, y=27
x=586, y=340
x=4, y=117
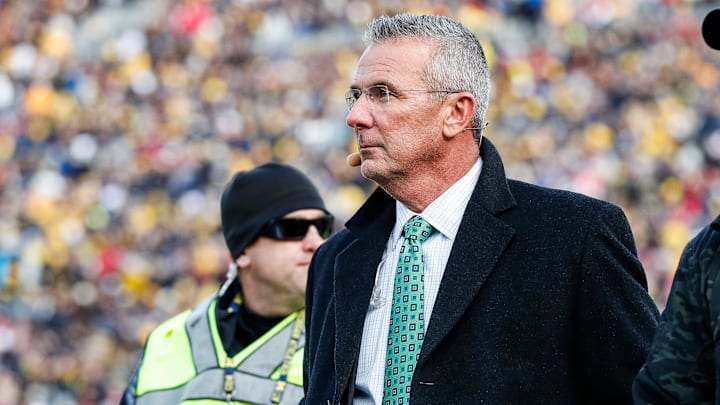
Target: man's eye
x=384, y=92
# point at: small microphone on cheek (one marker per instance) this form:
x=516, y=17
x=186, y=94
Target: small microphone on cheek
x=353, y=159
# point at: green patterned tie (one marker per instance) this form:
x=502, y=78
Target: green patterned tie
x=407, y=328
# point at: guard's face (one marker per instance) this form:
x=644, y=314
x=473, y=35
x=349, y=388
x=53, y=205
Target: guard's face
x=274, y=272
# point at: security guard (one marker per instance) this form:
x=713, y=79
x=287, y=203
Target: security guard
x=245, y=344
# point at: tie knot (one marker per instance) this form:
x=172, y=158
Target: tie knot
x=417, y=229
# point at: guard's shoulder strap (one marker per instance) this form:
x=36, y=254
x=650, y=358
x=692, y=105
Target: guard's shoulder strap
x=201, y=334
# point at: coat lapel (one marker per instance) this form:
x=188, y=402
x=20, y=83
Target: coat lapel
x=355, y=270
x=479, y=243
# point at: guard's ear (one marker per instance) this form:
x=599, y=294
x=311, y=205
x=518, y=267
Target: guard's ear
x=243, y=261
x=460, y=111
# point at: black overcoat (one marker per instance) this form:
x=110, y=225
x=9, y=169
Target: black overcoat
x=543, y=300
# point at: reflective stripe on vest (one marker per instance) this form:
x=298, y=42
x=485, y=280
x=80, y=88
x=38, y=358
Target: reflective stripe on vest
x=261, y=358
x=197, y=326
x=208, y=385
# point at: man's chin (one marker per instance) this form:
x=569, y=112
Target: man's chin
x=370, y=170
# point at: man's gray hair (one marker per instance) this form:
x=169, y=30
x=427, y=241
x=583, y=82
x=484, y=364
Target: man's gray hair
x=458, y=63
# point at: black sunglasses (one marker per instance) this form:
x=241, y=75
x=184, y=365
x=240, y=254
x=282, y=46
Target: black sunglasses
x=297, y=228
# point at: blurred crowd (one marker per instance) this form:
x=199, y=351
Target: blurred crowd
x=121, y=121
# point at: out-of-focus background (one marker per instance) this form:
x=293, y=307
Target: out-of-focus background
x=121, y=120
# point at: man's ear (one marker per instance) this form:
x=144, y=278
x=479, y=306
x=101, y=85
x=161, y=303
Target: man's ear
x=460, y=112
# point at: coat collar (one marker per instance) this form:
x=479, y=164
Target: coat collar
x=492, y=195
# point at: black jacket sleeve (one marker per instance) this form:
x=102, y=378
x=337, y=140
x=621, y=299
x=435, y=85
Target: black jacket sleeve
x=681, y=367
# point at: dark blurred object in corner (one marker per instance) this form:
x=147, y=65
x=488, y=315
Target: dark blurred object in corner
x=711, y=29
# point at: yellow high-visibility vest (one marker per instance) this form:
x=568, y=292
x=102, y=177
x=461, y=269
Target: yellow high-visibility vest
x=185, y=363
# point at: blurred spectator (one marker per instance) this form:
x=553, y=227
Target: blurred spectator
x=121, y=120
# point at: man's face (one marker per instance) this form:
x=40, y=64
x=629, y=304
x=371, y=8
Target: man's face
x=274, y=272
x=401, y=134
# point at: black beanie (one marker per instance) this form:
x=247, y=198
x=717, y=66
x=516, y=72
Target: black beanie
x=254, y=197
